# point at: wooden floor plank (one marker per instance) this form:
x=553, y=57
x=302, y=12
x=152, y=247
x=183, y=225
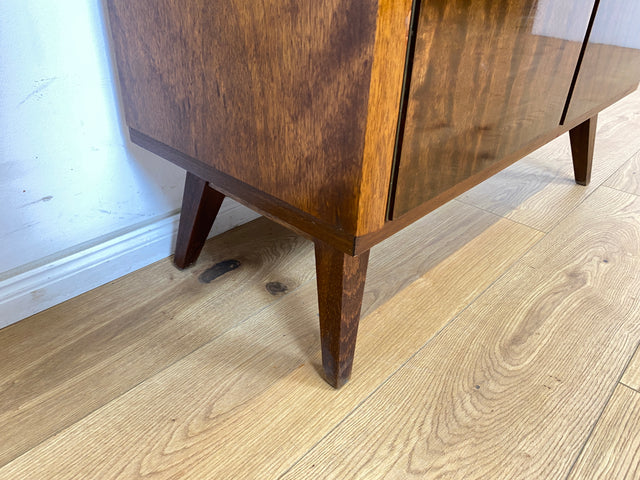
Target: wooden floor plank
x=87, y=351
x=613, y=451
x=627, y=178
x=512, y=387
x=631, y=377
x=81, y=353
x=250, y=401
x=539, y=190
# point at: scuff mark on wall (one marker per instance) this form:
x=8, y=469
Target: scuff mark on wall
x=48, y=198
x=40, y=86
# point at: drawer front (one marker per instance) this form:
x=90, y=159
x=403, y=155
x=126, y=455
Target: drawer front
x=488, y=77
x=611, y=64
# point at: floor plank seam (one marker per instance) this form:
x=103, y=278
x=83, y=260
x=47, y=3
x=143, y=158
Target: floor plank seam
x=592, y=424
x=499, y=216
x=637, y=390
x=124, y=392
x=626, y=367
x=591, y=430
x=618, y=170
x=620, y=190
x=601, y=184
x=422, y=347
x=450, y=322
x=604, y=408
x=342, y=420
x=578, y=204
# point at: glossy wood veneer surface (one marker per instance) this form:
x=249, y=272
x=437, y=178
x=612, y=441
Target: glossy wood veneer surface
x=387, y=76
x=272, y=93
x=489, y=77
x=310, y=227
x=611, y=62
x=265, y=204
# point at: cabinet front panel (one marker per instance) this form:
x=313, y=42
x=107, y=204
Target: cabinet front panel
x=611, y=64
x=488, y=78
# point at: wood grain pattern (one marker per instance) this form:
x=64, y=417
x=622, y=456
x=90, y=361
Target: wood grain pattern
x=50, y=351
x=59, y=365
x=298, y=157
x=394, y=19
x=611, y=63
x=613, y=450
x=305, y=224
x=631, y=377
x=494, y=394
x=539, y=191
x=200, y=206
x=365, y=242
x=479, y=73
x=205, y=416
x=583, y=138
x=261, y=91
x=340, y=279
x=262, y=203
x=66, y=362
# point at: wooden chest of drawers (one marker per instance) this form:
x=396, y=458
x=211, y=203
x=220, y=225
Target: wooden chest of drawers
x=346, y=120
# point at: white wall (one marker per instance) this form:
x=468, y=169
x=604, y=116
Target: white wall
x=79, y=204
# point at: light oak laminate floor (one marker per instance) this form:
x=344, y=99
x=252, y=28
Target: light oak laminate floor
x=499, y=339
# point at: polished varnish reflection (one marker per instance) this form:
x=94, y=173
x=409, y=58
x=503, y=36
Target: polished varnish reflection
x=488, y=78
x=611, y=64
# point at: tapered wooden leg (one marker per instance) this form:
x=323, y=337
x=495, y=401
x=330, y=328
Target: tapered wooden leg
x=582, y=142
x=340, y=287
x=200, y=205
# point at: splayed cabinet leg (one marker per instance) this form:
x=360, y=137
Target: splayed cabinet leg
x=582, y=143
x=200, y=205
x=341, y=280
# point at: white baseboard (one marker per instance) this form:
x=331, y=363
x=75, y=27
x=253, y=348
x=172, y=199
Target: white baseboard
x=40, y=288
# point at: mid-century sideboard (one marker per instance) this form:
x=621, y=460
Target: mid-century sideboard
x=346, y=120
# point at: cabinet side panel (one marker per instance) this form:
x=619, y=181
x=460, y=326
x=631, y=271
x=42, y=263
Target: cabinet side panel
x=273, y=93
x=489, y=77
x=611, y=64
